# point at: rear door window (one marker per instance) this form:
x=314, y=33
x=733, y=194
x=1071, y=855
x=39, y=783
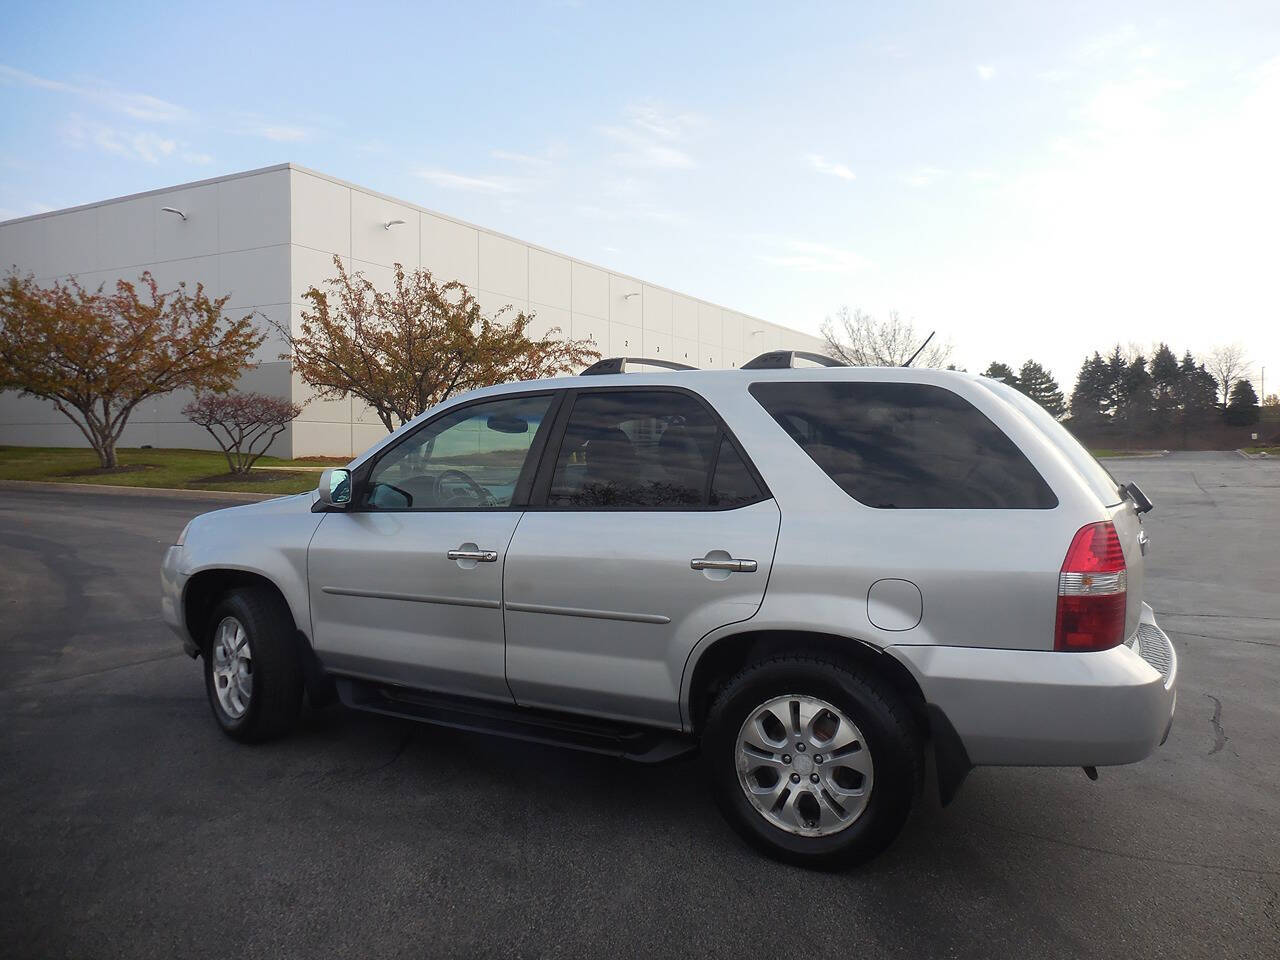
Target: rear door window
x=646, y=449
x=905, y=445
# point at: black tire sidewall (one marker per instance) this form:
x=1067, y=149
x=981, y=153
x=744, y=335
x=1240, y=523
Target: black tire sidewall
x=234, y=605
x=883, y=721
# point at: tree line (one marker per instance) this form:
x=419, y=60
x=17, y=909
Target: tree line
x=1123, y=389
x=1129, y=390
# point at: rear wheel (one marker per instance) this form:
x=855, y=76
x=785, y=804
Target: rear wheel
x=253, y=675
x=811, y=761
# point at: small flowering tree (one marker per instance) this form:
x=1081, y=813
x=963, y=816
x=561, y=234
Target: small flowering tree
x=408, y=348
x=96, y=355
x=243, y=424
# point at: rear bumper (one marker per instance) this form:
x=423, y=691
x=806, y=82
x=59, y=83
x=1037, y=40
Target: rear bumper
x=172, y=582
x=1045, y=708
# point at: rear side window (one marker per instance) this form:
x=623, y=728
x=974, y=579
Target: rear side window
x=905, y=445
x=732, y=485
x=646, y=449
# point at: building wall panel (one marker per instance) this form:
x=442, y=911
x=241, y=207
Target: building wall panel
x=263, y=238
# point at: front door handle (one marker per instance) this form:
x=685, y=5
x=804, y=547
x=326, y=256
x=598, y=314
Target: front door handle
x=733, y=566
x=480, y=556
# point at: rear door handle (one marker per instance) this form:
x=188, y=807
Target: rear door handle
x=480, y=556
x=735, y=566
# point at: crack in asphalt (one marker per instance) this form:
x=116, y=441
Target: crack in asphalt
x=1220, y=737
x=1215, y=616
x=1210, y=636
x=1196, y=480
x=1171, y=861
x=399, y=752
x=92, y=673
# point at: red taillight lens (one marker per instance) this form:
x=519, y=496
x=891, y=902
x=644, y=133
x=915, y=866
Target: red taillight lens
x=1092, y=591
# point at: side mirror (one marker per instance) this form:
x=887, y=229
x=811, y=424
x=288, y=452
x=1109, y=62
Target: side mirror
x=335, y=488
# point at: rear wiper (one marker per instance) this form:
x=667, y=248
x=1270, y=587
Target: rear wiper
x=1134, y=492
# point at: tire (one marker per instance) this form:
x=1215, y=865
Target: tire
x=860, y=792
x=270, y=674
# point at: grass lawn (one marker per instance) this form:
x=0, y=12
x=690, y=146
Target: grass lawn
x=180, y=469
x=1269, y=451
x=1102, y=454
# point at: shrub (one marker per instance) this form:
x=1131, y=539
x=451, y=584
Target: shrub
x=243, y=424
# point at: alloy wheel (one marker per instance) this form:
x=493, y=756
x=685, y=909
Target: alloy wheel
x=804, y=765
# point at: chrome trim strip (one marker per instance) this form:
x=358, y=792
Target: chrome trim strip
x=733, y=566
x=480, y=556
x=591, y=614
x=414, y=597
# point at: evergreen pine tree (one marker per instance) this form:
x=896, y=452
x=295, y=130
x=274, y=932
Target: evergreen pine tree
x=1116, y=367
x=1165, y=375
x=1091, y=397
x=1134, y=405
x=1242, y=408
x=1002, y=372
x=1038, y=384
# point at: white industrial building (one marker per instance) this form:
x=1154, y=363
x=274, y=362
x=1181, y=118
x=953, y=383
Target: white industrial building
x=265, y=236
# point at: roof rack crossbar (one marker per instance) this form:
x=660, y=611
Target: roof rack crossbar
x=786, y=359
x=619, y=365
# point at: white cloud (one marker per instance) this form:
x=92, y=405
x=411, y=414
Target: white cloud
x=138, y=106
x=144, y=145
x=823, y=165
x=136, y=145
x=922, y=177
x=805, y=256
x=651, y=137
x=985, y=71
x=461, y=181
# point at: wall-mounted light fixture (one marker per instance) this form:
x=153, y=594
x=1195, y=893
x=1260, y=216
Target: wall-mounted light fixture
x=628, y=296
x=391, y=223
x=174, y=210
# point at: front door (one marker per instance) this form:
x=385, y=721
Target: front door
x=648, y=531
x=406, y=585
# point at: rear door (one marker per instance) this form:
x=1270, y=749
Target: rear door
x=406, y=585
x=648, y=528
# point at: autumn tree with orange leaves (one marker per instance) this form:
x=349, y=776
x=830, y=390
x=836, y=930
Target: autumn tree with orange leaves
x=97, y=355
x=404, y=350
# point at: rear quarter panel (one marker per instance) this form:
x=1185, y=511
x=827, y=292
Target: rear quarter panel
x=987, y=578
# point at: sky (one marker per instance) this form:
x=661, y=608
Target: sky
x=1030, y=180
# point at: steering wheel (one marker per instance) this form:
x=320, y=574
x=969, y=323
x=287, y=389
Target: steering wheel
x=483, y=497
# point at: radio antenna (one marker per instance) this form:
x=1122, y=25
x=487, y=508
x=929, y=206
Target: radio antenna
x=922, y=346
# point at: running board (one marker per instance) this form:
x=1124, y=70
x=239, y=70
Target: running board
x=641, y=744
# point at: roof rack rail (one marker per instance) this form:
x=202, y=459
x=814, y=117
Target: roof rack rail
x=619, y=365
x=786, y=359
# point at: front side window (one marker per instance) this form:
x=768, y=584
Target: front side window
x=468, y=459
x=641, y=449
x=905, y=445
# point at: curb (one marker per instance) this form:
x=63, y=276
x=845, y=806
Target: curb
x=44, y=486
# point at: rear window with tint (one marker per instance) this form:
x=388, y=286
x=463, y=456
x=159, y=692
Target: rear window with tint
x=905, y=445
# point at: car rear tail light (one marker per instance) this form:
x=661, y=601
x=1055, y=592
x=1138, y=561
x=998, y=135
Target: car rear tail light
x=1092, y=591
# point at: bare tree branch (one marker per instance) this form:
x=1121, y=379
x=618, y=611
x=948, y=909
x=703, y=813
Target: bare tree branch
x=860, y=340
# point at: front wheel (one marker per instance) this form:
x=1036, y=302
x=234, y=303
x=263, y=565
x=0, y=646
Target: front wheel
x=811, y=761
x=252, y=672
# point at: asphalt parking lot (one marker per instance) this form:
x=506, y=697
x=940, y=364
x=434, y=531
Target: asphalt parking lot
x=129, y=826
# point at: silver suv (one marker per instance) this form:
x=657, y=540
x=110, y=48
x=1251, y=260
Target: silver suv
x=816, y=575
